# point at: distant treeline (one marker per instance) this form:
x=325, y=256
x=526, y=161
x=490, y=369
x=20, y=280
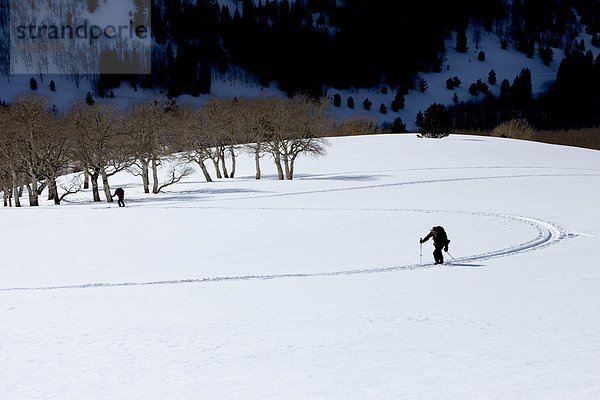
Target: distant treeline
x=572, y=102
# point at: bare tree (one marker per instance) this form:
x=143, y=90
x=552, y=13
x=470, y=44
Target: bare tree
x=10, y=165
x=99, y=144
x=194, y=139
x=260, y=118
x=151, y=128
x=35, y=133
x=299, y=129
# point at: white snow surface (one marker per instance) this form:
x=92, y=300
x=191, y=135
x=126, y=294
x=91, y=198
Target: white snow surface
x=314, y=288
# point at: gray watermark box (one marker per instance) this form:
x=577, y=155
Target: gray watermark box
x=80, y=37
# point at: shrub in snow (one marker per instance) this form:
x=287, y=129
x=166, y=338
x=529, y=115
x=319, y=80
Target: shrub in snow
x=383, y=109
x=515, y=128
x=33, y=84
x=481, y=56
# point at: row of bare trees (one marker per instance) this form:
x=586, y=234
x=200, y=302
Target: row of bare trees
x=38, y=145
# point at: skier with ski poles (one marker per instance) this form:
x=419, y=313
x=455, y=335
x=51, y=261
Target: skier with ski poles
x=440, y=241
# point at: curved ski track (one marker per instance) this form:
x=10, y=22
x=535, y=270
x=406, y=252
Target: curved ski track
x=547, y=234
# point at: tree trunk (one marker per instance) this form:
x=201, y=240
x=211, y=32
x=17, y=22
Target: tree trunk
x=32, y=191
x=52, y=195
x=7, y=195
x=86, y=178
x=222, y=157
x=18, y=191
x=233, y=163
x=217, y=169
x=292, y=162
x=95, y=192
x=154, y=175
x=145, y=175
x=277, y=159
x=106, y=187
x=52, y=187
x=204, y=171
x=286, y=165
x=257, y=161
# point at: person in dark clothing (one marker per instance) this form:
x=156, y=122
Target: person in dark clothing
x=440, y=241
x=120, y=193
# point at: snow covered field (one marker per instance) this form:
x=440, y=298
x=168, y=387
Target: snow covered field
x=313, y=289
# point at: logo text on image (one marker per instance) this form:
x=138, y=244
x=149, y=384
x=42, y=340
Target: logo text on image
x=80, y=37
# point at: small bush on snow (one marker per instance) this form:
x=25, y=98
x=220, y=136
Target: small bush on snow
x=515, y=129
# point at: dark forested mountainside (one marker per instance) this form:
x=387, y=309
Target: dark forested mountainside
x=306, y=46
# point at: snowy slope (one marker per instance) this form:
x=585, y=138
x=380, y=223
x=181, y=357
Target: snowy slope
x=245, y=289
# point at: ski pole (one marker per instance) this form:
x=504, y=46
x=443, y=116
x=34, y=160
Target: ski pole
x=421, y=251
x=451, y=256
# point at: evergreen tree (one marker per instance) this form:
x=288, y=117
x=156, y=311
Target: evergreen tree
x=547, y=55
x=492, y=77
x=437, y=121
x=89, y=99
x=504, y=89
x=461, y=41
x=423, y=86
x=456, y=82
x=504, y=44
x=350, y=102
x=92, y=6
x=111, y=94
x=481, y=56
x=367, y=104
x=530, y=49
x=33, y=84
x=521, y=92
x=419, y=119
x=384, y=90
x=595, y=40
x=455, y=100
x=398, y=102
x=337, y=100
x=52, y=86
x=450, y=84
x=398, y=126
x=383, y=109
x=473, y=89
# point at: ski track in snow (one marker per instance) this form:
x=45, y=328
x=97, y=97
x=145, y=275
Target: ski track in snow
x=548, y=234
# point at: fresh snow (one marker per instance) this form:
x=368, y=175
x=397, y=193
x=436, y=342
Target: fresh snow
x=245, y=289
